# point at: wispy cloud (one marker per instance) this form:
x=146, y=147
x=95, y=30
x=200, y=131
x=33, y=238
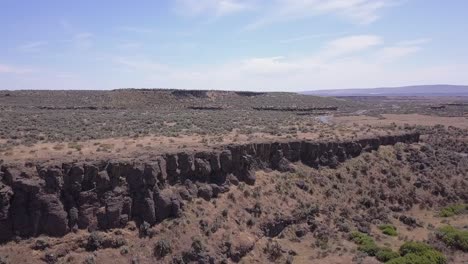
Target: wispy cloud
x=139, y=64
x=355, y=59
x=32, y=46
x=267, y=66
x=401, y=49
x=66, y=25
x=129, y=45
x=356, y=11
x=138, y=30
x=308, y=37
x=213, y=7
x=350, y=44
x=84, y=40
x=4, y=68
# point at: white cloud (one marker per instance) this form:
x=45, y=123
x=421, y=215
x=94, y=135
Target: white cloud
x=308, y=37
x=129, y=45
x=412, y=42
x=356, y=11
x=83, y=40
x=401, y=49
x=352, y=61
x=14, y=70
x=32, y=46
x=66, y=26
x=275, y=11
x=138, y=30
x=351, y=44
x=266, y=66
x=139, y=64
x=214, y=7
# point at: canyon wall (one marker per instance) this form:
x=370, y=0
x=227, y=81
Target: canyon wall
x=56, y=199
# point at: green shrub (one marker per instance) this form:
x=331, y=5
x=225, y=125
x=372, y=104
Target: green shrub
x=386, y=254
x=453, y=237
x=414, y=247
x=416, y=259
x=388, y=230
x=74, y=145
x=366, y=244
x=452, y=210
x=418, y=253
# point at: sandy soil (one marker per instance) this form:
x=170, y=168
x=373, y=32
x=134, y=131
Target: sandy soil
x=125, y=147
x=399, y=119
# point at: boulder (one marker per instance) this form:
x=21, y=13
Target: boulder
x=285, y=166
x=192, y=188
x=184, y=193
x=249, y=177
x=216, y=190
x=167, y=204
x=205, y=191
x=49, y=216
x=241, y=246
x=163, y=204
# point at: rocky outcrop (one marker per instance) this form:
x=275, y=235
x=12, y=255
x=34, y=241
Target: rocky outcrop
x=295, y=109
x=54, y=199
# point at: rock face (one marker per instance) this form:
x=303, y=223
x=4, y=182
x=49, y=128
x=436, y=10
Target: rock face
x=54, y=199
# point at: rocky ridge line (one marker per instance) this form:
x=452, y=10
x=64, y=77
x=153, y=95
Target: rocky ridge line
x=56, y=199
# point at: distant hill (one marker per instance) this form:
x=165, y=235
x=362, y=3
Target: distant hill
x=161, y=99
x=418, y=90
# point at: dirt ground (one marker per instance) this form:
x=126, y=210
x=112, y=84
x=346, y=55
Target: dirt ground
x=403, y=119
x=126, y=147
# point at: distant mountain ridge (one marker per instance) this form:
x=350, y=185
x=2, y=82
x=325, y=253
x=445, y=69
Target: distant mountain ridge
x=416, y=90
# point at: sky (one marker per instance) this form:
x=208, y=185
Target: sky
x=261, y=45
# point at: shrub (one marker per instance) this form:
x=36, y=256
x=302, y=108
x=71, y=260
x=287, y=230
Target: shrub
x=273, y=250
x=416, y=259
x=58, y=147
x=389, y=230
x=414, y=247
x=418, y=253
x=386, y=254
x=162, y=248
x=94, y=242
x=74, y=145
x=453, y=237
x=197, y=245
x=452, y=210
x=367, y=245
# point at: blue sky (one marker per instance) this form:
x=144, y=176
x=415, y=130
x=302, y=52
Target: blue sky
x=266, y=45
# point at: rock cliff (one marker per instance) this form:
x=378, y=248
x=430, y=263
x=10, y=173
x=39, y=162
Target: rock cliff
x=55, y=199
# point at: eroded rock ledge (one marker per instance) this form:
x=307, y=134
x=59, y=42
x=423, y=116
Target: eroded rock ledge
x=56, y=199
